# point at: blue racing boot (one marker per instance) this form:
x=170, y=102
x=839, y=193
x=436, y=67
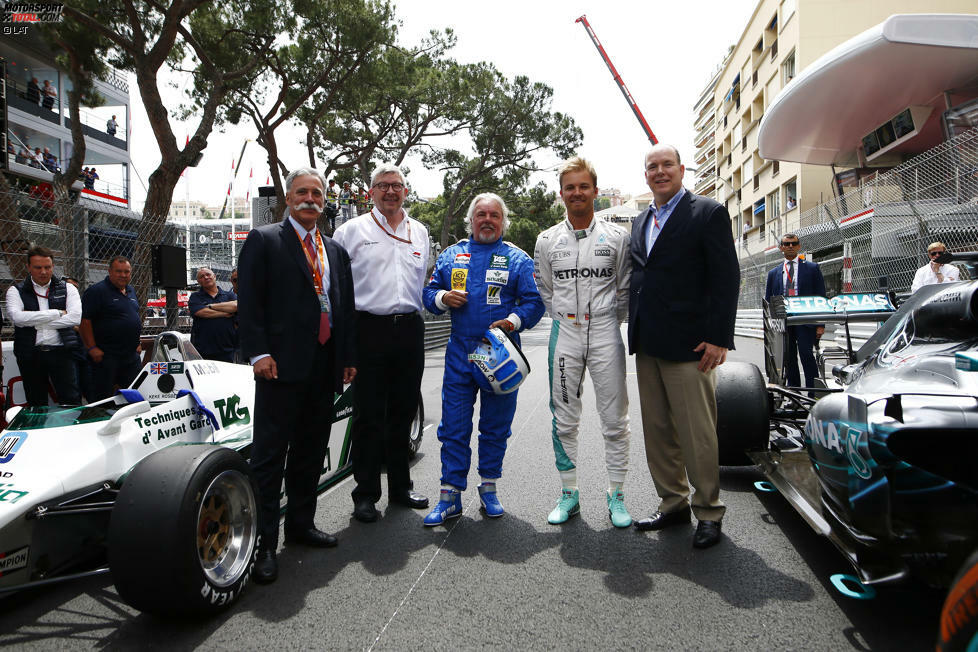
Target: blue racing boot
x=490, y=502
x=568, y=505
x=616, y=509
x=449, y=506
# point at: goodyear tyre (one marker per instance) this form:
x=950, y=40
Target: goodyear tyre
x=417, y=430
x=183, y=536
x=959, y=617
x=742, y=412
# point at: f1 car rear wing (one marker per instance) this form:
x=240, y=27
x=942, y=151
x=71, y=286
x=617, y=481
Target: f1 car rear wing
x=856, y=307
x=782, y=312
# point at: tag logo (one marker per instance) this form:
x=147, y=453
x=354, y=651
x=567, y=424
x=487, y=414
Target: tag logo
x=230, y=412
x=602, y=251
x=458, y=279
x=493, y=293
x=13, y=560
x=10, y=444
x=462, y=259
x=500, y=276
x=499, y=262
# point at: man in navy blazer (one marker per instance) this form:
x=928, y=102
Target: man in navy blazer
x=296, y=324
x=795, y=277
x=682, y=309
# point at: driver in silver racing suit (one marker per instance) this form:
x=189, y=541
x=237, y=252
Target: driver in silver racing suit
x=582, y=269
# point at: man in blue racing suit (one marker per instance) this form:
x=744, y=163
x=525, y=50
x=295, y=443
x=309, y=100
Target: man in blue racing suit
x=486, y=283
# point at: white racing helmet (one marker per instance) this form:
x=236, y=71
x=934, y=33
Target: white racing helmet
x=498, y=365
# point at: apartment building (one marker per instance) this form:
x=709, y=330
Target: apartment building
x=704, y=124
x=765, y=198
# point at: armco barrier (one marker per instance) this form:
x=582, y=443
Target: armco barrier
x=436, y=333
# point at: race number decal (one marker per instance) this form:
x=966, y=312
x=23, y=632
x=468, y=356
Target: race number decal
x=458, y=279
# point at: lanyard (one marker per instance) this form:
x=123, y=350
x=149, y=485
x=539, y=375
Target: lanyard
x=314, y=265
x=381, y=227
x=791, y=279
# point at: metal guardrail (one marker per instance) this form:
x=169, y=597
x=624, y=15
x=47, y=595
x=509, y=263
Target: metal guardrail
x=436, y=333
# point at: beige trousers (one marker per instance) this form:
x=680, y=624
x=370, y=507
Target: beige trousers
x=679, y=418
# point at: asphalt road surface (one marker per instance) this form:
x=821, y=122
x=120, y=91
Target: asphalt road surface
x=517, y=582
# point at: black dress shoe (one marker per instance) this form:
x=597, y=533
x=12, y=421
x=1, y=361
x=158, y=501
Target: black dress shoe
x=312, y=537
x=661, y=520
x=364, y=511
x=266, y=567
x=707, y=534
x=410, y=499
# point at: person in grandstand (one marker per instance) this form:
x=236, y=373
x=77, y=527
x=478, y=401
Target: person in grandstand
x=485, y=283
x=934, y=272
x=583, y=270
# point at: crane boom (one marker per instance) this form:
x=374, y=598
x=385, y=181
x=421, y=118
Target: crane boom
x=618, y=80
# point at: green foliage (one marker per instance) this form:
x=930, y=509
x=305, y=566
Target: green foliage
x=601, y=203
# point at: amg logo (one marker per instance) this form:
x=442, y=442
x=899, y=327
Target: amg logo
x=32, y=12
x=563, y=380
x=587, y=272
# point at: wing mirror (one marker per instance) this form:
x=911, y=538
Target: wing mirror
x=12, y=412
x=843, y=373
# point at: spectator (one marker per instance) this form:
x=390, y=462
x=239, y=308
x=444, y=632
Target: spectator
x=82, y=364
x=934, y=272
x=23, y=156
x=346, y=204
x=111, y=126
x=791, y=202
x=49, y=161
x=37, y=159
x=33, y=92
x=213, y=332
x=110, y=329
x=90, y=179
x=44, y=310
x=50, y=94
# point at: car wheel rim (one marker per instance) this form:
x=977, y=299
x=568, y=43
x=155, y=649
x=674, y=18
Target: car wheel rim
x=226, y=528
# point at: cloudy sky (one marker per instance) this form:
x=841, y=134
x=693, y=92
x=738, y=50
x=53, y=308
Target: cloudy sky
x=665, y=52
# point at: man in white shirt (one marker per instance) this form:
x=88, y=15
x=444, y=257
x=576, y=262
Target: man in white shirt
x=389, y=257
x=45, y=310
x=934, y=272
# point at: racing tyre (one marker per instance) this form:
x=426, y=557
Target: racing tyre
x=417, y=430
x=959, y=617
x=183, y=536
x=742, y=412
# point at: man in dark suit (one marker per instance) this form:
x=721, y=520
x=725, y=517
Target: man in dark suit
x=791, y=278
x=682, y=309
x=296, y=319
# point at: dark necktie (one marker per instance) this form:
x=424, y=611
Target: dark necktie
x=791, y=276
x=324, y=330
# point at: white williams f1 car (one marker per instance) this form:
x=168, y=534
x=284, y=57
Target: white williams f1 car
x=152, y=485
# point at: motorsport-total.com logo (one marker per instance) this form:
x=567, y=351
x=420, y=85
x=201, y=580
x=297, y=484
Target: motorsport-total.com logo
x=32, y=12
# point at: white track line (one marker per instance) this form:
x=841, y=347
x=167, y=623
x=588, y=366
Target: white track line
x=468, y=505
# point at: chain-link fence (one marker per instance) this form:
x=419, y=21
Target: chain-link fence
x=879, y=232
x=84, y=235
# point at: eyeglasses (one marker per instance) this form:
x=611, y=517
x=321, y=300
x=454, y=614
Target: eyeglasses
x=791, y=244
x=384, y=187
x=934, y=254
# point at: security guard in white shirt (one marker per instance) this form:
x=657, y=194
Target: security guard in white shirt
x=389, y=258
